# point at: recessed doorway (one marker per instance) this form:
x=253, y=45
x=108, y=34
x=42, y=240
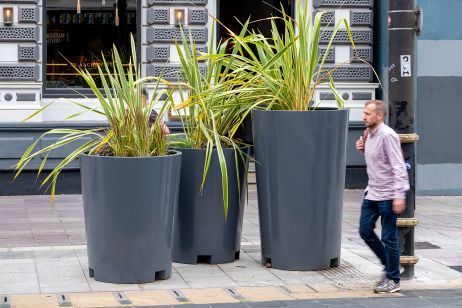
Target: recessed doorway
x=231, y=13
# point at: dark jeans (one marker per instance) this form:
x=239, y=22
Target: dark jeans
x=387, y=249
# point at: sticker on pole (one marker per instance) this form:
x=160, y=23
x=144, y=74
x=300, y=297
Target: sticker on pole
x=405, y=66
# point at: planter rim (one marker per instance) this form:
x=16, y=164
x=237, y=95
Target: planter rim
x=214, y=149
x=319, y=109
x=170, y=154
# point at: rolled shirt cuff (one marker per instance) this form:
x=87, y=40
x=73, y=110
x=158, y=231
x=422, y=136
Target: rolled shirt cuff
x=399, y=196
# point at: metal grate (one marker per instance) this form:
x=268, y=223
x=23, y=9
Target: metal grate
x=345, y=3
x=361, y=18
x=328, y=18
x=361, y=53
x=330, y=56
x=197, y=16
x=158, y=16
x=174, y=34
x=16, y=72
x=157, y=53
x=28, y=53
x=18, y=34
x=172, y=72
x=359, y=36
x=350, y=72
x=425, y=245
x=345, y=274
x=28, y=15
x=177, y=2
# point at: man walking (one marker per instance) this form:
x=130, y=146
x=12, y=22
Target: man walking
x=385, y=192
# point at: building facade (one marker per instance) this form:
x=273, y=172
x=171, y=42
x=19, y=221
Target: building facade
x=40, y=38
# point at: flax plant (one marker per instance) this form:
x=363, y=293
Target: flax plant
x=214, y=107
x=127, y=113
x=285, y=69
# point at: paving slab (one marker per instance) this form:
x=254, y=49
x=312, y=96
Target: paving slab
x=42, y=252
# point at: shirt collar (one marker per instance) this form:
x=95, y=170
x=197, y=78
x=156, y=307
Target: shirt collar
x=375, y=130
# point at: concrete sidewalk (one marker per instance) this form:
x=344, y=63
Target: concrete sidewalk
x=43, y=252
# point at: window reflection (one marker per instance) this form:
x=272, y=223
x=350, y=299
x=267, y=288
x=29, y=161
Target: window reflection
x=83, y=38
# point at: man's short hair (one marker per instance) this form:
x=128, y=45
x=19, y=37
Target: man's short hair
x=380, y=106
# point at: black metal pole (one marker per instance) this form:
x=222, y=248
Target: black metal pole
x=401, y=31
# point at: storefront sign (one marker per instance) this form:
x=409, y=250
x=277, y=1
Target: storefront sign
x=56, y=18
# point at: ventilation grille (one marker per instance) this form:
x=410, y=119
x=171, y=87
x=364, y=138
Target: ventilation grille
x=28, y=15
x=172, y=72
x=197, y=17
x=359, y=36
x=361, y=18
x=157, y=53
x=158, y=16
x=18, y=34
x=330, y=56
x=177, y=2
x=344, y=3
x=363, y=53
x=328, y=18
x=16, y=72
x=28, y=53
x=350, y=72
x=174, y=34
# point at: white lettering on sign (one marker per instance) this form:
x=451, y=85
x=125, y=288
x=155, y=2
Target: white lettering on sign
x=405, y=66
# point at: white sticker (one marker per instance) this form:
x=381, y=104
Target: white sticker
x=405, y=66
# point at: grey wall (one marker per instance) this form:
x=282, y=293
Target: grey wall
x=438, y=99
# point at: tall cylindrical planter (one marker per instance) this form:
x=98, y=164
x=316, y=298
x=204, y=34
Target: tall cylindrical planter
x=202, y=233
x=129, y=205
x=300, y=168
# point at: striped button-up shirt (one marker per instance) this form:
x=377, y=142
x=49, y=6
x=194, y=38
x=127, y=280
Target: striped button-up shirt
x=386, y=169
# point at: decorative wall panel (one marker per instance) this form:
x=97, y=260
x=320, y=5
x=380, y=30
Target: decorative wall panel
x=330, y=56
x=158, y=16
x=19, y=72
x=171, y=34
x=28, y=15
x=28, y=53
x=361, y=18
x=177, y=2
x=157, y=53
x=351, y=72
x=344, y=3
x=197, y=16
x=363, y=53
x=19, y=34
x=359, y=36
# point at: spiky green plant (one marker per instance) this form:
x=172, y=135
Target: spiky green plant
x=285, y=69
x=122, y=104
x=214, y=107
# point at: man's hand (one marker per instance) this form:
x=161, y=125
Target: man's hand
x=360, y=145
x=399, y=205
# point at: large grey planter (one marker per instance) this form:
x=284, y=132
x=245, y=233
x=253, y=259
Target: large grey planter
x=300, y=181
x=201, y=233
x=129, y=205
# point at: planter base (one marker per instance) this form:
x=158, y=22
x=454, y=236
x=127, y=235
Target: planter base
x=159, y=275
x=268, y=262
x=208, y=259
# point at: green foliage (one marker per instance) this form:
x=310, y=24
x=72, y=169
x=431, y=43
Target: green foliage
x=285, y=69
x=122, y=103
x=215, y=106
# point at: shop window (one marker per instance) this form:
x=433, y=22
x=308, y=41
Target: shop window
x=81, y=37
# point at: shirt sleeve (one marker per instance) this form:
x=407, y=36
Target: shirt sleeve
x=398, y=167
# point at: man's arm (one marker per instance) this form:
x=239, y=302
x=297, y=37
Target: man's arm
x=400, y=177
